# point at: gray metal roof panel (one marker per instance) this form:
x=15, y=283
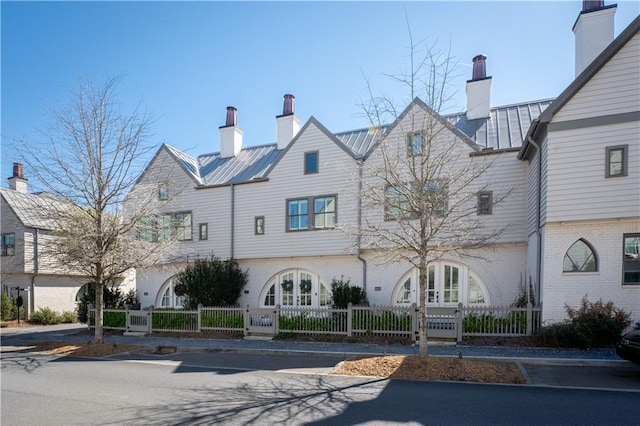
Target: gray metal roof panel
x=504, y=128
x=251, y=163
x=32, y=209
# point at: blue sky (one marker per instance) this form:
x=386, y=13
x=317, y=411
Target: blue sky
x=185, y=62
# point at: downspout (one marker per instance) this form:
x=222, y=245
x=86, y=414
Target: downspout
x=539, y=220
x=233, y=209
x=359, y=251
x=36, y=271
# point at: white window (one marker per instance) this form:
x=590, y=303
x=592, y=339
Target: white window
x=166, y=296
x=323, y=215
x=295, y=287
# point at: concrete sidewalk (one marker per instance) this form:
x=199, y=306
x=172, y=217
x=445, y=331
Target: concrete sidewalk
x=72, y=333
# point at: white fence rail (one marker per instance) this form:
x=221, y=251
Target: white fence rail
x=448, y=323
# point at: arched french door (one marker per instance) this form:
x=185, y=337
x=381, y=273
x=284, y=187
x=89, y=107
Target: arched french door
x=448, y=284
x=295, y=287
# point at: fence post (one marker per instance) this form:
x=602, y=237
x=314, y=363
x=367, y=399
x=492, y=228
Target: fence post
x=150, y=319
x=529, y=319
x=276, y=320
x=89, y=309
x=459, y=322
x=350, y=319
x=414, y=322
x=199, y=317
x=247, y=321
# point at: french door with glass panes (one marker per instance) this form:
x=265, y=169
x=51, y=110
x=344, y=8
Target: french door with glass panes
x=296, y=288
x=444, y=284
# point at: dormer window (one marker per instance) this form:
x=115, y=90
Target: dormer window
x=310, y=162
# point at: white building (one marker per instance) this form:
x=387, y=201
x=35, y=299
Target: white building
x=570, y=167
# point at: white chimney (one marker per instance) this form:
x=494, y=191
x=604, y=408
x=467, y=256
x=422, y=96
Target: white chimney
x=593, y=31
x=230, y=135
x=17, y=182
x=288, y=122
x=478, y=90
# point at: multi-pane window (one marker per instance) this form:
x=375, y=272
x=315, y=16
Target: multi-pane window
x=259, y=225
x=396, y=204
x=437, y=197
x=166, y=226
x=631, y=259
x=203, y=231
x=323, y=215
x=8, y=244
x=311, y=162
x=297, y=215
x=415, y=143
x=580, y=258
x=404, y=293
x=616, y=161
x=485, y=202
x=324, y=212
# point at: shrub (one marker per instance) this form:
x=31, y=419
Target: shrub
x=222, y=321
x=210, y=282
x=592, y=324
x=69, y=317
x=46, y=316
x=7, y=307
x=344, y=293
x=113, y=298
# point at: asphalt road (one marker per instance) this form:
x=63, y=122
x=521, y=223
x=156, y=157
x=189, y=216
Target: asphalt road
x=231, y=388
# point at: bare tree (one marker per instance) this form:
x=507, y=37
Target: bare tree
x=419, y=185
x=92, y=159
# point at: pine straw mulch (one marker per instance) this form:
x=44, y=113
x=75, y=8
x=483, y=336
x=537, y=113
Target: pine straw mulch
x=84, y=349
x=416, y=367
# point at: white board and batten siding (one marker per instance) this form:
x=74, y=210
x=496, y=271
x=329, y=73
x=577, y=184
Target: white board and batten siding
x=614, y=89
x=577, y=188
x=288, y=181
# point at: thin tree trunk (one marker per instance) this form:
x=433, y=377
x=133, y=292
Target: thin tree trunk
x=422, y=312
x=99, y=322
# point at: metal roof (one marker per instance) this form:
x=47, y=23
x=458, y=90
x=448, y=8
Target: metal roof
x=505, y=128
x=33, y=209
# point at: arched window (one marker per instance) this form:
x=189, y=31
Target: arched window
x=295, y=287
x=580, y=257
x=448, y=284
x=167, y=297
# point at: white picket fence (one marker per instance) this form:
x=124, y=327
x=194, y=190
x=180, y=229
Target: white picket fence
x=442, y=322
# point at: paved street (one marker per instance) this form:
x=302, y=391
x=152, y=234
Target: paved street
x=233, y=388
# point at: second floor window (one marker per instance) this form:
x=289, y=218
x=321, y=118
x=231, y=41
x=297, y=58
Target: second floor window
x=415, y=143
x=163, y=191
x=323, y=215
x=8, y=244
x=311, y=162
x=616, y=161
x=485, y=202
x=166, y=226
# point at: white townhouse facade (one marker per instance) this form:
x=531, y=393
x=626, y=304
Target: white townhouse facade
x=569, y=171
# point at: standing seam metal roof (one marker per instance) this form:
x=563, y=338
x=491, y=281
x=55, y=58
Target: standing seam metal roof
x=505, y=128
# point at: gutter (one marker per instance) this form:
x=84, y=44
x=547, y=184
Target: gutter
x=233, y=209
x=358, y=243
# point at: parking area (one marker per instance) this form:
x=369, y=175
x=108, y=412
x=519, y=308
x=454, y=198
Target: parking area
x=595, y=375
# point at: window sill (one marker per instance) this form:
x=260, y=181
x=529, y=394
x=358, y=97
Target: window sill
x=580, y=274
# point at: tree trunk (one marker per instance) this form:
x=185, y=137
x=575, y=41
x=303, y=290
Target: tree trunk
x=99, y=322
x=422, y=311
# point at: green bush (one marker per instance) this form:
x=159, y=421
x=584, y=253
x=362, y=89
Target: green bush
x=69, y=317
x=591, y=325
x=114, y=319
x=176, y=321
x=210, y=282
x=221, y=320
x=343, y=293
x=113, y=298
x=46, y=316
x=305, y=323
x=515, y=322
x=7, y=307
x=385, y=321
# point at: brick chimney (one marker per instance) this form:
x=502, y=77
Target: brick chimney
x=17, y=182
x=230, y=135
x=288, y=122
x=478, y=90
x=593, y=31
